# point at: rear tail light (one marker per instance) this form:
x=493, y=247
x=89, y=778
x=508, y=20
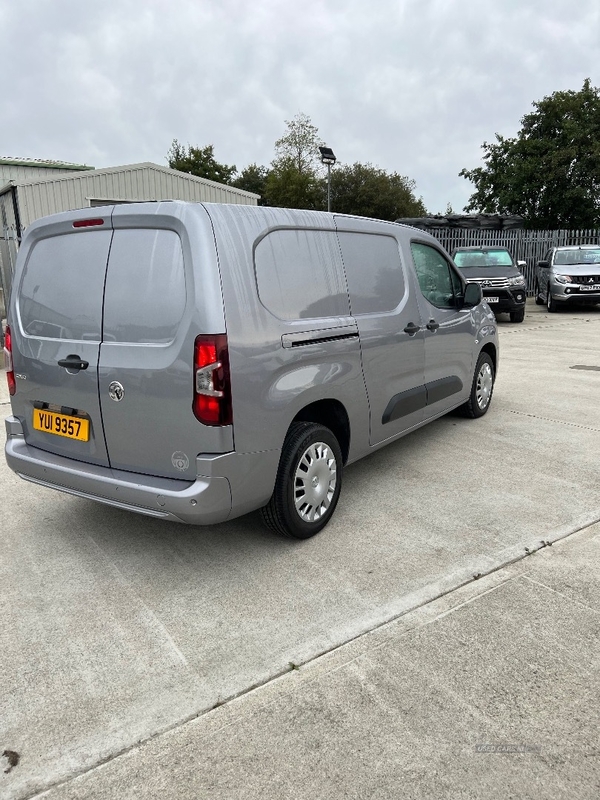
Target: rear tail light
x=8, y=362
x=212, y=383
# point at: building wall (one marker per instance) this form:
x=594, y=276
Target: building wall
x=55, y=190
x=136, y=182
x=19, y=172
x=8, y=245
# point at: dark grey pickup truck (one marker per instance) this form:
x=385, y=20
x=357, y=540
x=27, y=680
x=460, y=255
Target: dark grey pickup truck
x=494, y=269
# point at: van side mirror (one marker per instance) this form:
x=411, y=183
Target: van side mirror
x=543, y=264
x=473, y=295
x=521, y=264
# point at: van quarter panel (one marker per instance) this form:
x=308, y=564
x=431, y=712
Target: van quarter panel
x=283, y=355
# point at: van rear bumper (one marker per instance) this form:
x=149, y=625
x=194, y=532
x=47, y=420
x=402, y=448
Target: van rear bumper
x=205, y=501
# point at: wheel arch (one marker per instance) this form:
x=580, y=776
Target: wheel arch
x=490, y=349
x=333, y=415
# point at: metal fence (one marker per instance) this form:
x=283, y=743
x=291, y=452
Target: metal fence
x=528, y=246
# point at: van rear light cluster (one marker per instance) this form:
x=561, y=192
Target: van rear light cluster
x=212, y=381
x=8, y=362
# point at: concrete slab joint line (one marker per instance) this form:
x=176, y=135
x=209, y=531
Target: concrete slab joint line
x=526, y=577
x=554, y=421
x=547, y=326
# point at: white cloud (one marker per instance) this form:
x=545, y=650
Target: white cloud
x=414, y=86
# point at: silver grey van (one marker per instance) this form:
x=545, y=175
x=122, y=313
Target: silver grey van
x=196, y=362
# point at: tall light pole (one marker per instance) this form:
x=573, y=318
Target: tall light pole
x=328, y=157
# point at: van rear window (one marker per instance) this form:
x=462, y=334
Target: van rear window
x=61, y=290
x=145, y=292
x=300, y=276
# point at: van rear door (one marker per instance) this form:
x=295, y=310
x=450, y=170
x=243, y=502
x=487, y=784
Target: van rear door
x=154, y=308
x=56, y=338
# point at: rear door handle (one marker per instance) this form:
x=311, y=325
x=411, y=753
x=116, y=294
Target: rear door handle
x=411, y=329
x=74, y=363
x=432, y=325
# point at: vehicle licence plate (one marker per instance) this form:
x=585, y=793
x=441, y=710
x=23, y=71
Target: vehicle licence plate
x=61, y=424
x=491, y=299
x=594, y=288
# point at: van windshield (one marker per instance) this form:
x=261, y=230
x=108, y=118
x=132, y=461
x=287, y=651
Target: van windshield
x=483, y=258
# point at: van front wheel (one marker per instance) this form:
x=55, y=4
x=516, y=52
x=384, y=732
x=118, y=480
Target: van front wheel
x=481, y=389
x=308, y=482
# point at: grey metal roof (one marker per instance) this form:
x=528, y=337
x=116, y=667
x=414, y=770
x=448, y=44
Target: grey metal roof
x=145, y=165
x=39, y=162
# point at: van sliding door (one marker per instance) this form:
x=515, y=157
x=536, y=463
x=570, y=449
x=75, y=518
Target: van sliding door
x=389, y=324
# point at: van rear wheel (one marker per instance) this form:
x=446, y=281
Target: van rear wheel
x=308, y=482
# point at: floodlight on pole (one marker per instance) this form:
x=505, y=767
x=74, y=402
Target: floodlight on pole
x=328, y=157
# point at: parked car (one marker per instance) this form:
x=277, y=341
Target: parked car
x=567, y=276
x=195, y=362
x=494, y=269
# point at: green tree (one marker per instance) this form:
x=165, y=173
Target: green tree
x=294, y=180
x=300, y=145
x=288, y=187
x=199, y=161
x=372, y=192
x=550, y=172
x=253, y=179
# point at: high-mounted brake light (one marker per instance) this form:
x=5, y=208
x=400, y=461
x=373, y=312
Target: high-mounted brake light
x=8, y=362
x=87, y=223
x=212, y=382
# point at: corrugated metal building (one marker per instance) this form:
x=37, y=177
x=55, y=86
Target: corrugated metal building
x=28, y=169
x=32, y=189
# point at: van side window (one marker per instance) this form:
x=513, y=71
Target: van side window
x=299, y=274
x=373, y=270
x=435, y=275
x=145, y=292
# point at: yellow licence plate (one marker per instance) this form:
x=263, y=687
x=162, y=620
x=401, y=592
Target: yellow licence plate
x=61, y=424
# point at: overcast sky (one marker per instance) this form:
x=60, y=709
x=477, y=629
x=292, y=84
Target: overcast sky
x=412, y=86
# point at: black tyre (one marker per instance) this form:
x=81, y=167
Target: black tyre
x=481, y=389
x=517, y=316
x=539, y=300
x=551, y=304
x=308, y=482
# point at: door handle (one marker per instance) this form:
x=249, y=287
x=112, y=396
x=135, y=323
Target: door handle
x=74, y=363
x=411, y=329
x=432, y=325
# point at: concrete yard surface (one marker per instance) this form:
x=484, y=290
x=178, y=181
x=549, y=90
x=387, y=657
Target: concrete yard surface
x=428, y=625
x=489, y=692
